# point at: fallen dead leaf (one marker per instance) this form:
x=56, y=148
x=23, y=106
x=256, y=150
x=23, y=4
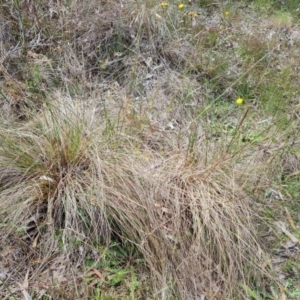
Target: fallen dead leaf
x=25, y=284
x=99, y=274
x=282, y=226
x=34, y=244
x=288, y=215
x=24, y=292
x=213, y=295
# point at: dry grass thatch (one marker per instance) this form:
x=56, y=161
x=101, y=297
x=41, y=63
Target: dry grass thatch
x=156, y=156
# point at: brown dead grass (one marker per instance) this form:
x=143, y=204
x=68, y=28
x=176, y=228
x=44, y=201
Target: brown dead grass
x=186, y=213
x=133, y=153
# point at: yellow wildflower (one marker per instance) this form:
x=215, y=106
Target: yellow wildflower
x=181, y=6
x=193, y=14
x=239, y=101
x=227, y=13
x=164, y=4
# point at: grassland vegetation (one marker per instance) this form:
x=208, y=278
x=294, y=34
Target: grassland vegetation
x=149, y=150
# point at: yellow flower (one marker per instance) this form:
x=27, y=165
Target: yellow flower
x=181, y=6
x=227, y=13
x=239, y=101
x=193, y=14
x=164, y=4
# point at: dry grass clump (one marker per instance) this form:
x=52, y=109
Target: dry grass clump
x=48, y=172
x=192, y=222
x=186, y=214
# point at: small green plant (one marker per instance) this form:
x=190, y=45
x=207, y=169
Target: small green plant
x=118, y=269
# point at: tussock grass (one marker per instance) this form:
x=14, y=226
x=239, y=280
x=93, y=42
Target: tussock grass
x=48, y=171
x=183, y=220
x=188, y=216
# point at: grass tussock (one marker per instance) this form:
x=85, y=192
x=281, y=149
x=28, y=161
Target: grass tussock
x=46, y=169
x=188, y=217
x=195, y=232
